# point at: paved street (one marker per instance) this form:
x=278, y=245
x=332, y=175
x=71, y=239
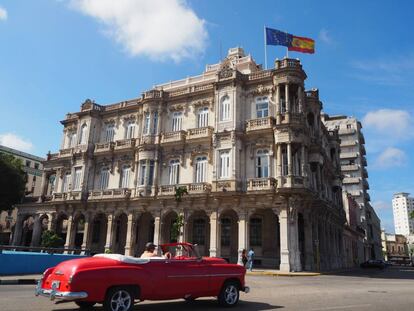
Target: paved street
x=391, y=289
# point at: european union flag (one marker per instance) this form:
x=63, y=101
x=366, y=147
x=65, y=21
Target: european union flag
x=277, y=37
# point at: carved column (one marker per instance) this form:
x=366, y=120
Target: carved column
x=155, y=177
x=157, y=229
x=109, y=232
x=45, y=183
x=130, y=237
x=278, y=104
x=303, y=161
x=215, y=238
x=309, y=255
x=300, y=98
x=243, y=226
x=86, y=233
x=284, y=240
x=69, y=232
x=279, y=160
x=37, y=231
x=287, y=97
x=289, y=158
x=51, y=224
x=18, y=230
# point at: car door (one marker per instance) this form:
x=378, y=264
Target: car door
x=186, y=277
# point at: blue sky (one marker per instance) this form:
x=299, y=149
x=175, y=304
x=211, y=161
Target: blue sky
x=55, y=54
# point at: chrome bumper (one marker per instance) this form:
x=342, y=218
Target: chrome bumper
x=246, y=289
x=55, y=294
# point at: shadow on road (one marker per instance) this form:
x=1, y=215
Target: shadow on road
x=198, y=304
x=392, y=272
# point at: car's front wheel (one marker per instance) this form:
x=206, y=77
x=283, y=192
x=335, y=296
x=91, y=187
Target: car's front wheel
x=229, y=294
x=119, y=299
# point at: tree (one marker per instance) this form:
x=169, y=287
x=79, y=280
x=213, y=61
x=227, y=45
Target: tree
x=412, y=214
x=12, y=181
x=51, y=239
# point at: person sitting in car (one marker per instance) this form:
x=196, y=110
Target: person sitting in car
x=150, y=252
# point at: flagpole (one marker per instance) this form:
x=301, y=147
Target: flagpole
x=287, y=49
x=265, y=45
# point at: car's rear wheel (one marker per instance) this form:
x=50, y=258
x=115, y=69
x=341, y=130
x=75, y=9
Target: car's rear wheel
x=229, y=294
x=85, y=305
x=119, y=299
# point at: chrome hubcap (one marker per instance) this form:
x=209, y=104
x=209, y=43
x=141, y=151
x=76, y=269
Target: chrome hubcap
x=231, y=294
x=121, y=301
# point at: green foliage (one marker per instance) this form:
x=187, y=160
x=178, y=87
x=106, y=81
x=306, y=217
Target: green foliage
x=12, y=181
x=179, y=192
x=51, y=239
x=108, y=251
x=412, y=214
x=176, y=228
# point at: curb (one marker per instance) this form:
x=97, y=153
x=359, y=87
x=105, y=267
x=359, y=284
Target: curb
x=286, y=274
x=19, y=282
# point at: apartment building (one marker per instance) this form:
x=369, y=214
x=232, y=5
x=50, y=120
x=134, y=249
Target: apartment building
x=402, y=206
x=355, y=178
x=259, y=167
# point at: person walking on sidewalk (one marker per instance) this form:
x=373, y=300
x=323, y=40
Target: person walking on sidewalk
x=250, y=259
x=244, y=257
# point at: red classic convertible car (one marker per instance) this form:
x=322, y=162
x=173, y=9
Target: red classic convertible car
x=117, y=281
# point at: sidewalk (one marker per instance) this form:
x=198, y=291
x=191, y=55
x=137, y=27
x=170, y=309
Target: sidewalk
x=271, y=272
x=19, y=279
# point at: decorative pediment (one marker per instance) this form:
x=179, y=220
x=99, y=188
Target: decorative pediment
x=173, y=154
x=200, y=151
x=205, y=102
x=177, y=107
x=109, y=121
x=129, y=117
x=261, y=90
x=71, y=128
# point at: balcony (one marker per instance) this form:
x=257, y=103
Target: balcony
x=201, y=133
x=226, y=185
x=260, y=124
x=101, y=148
x=148, y=139
x=65, y=153
x=348, y=143
x=355, y=193
x=350, y=167
x=74, y=196
x=261, y=184
x=109, y=194
x=61, y=196
x=348, y=155
x=125, y=144
x=288, y=63
x=351, y=180
x=193, y=188
x=173, y=137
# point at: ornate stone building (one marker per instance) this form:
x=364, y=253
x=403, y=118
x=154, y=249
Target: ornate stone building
x=248, y=145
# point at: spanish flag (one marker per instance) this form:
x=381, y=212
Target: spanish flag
x=302, y=44
x=293, y=43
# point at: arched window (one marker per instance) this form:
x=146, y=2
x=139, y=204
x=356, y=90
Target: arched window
x=130, y=130
x=199, y=231
x=256, y=231
x=147, y=123
x=174, y=172
x=109, y=133
x=202, y=118
x=225, y=108
x=83, y=134
x=104, y=178
x=262, y=163
x=224, y=164
x=225, y=231
x=66, y=182
x=177, y=121
x=201, y=170
x=262, y=107
x=72, y=139
x=125, y=176
x=77, y=179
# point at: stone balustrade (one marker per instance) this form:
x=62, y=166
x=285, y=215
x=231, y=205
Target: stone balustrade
x=173, y=137
x=67, y=152
x=259, y=184
x=104, y=147
x=260, y=124
x=109, y=194
x=199, y=133
x=288, y=63
x=193, y=188
x=260, y=75
x=351, y=180
x=123, y=144
x=351, y=167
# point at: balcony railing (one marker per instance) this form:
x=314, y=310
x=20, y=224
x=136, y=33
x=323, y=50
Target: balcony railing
x=260, y=124
x=192, y=188
x=104, y=147
x=263, y=74
x=346, y=131
x=199, y=133
x=63, y=153
x=74, y=196
x=346, y=155
x=173, y=137
x=61, y=196
x=351, y=180
x=348, y=143
x=259, y=184
x=351, y=167
x=128, y=143
x=109, y=194
x=355, y=193
x=287, y=63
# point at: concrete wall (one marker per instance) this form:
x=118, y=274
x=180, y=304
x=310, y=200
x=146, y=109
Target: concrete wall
x=18, y=263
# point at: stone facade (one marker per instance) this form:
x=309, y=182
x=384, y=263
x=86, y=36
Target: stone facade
x=355, y=178
x=33, y=166
x=247, y=145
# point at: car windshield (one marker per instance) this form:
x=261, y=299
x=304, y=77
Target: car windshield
x=180, y=251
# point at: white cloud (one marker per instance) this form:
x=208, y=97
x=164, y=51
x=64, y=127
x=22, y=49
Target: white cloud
x=3, y=14
x=159, y=29
x=13, y=141
x=325, y=37
x=390, y=122
x=391, y=157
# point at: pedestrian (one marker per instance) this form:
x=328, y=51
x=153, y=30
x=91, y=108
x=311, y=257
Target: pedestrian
x=244, y=257
x=250, y=259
